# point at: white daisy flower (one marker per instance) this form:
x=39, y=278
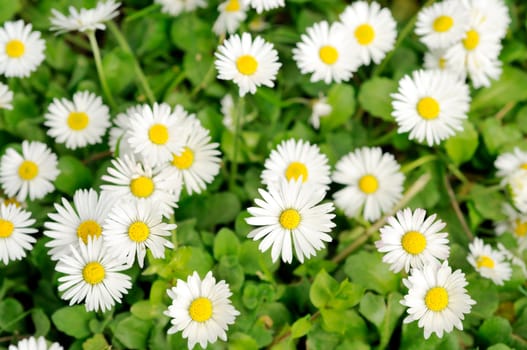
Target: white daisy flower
x=516, y=223
x=83, y=219
x=326, y=52
x=16, y=233
x=77, y=123
x=442, y=24
x=412, y=240
x=493, y=14
x=488, y=262
x=264, y=5
x=290, y=216
x=437, y=298
x=297, y=159
x=515, y=260
x=119, y=133
x=92, y=276
x=319, y=108
x=132, y=227
x=431, y=105
x=374, y=183
x=155, y=133
x=246, y=62
x=130, y=180
x=436, y=60
x=371, y=29
x=507, y=163
x=232, y=13
x=29, y=174
x=33, y=343
x=21, y=50
x=84, y=19
x=229, y=111
x=517, y=185
x=201, y=309
x=176, y=7
x=6, y=97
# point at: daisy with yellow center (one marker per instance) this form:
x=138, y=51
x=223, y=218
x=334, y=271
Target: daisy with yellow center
x=264, y=5
x=248, y=63
x=92, y=276
x=488, y=262
x=412, y=240
x=509, y=162
x=201, y=309
x=176, y=7
x=16, y=233
x=77, y=123
x=437, y=298
x=118, y=140
x=373, y=180
x=516, y=223
x=6, y=97
x=289, y=217
x=232, y=13
x=491, y=14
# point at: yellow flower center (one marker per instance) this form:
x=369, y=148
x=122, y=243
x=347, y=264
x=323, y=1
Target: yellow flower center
x=138, y=231
x=184, y=160
x=328, y=54
x=158, y=134
x=142, y=186
x=289, y=219
x=93, y=273
x=413, y=242
x=428, y=108
x=200, y=310
x=472, y=40
x=233, y=6
x=15, y=48
x=523, y=166
x=295, y=170
x=485, y=261
x=78, y=120
x=368, y=184
x=247, y=64
x=436, y=299
x=6, y=228
x=442, y=63
x=520, y=228
x=8, y=201
x=88, y=228
x=443, y=23
x=364, y=34
x=28, y=170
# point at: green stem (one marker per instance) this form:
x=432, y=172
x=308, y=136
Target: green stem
x=237, y=129
x=141, y=13
x=100, y=71
x=417, y=163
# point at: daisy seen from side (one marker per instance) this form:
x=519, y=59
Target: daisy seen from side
x=33, y=343
x=83, y=19
x=264, y=5
x=232, y=13
x=488, y=262
x=16, y=233
x=176, y=7
x=6, y=97
x=320, y=108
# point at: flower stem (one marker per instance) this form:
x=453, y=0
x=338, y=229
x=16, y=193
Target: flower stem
x=237, y=130
x=142, y=13
x=405, y=169
x=100, y=71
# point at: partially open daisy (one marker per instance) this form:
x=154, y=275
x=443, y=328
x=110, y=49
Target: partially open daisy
x=77, y=123
x=84, y=19
x=264, y=5
x=326, y=52
x=29, y=174
x=33, y=343
x=290, y=216
x=412, y=240
x=373, y=180
x=297, y=160
x=431, y=105
x=437, y=298
x=119, y=133
x=507, y=163
x=92, y=275
x=319, y=108
x=133, y=227
x=232, y=13
x=371, y=29
x=516, y=223
x=201, y=309
x=6, y=97
x=176, y=7
x=16, y=233
x=249, y=63
x=83, y=219
x=21, y=50
x=488, y=262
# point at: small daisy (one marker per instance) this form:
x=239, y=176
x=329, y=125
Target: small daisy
x=517, y=186
x=437, y=298
x=488, y=262
x=232, y=13
x=21, y=50
x=119, y=133
x=436, y=60
x=507, y=163
x=92, y=276
x=264, y=5
x=78, y=123
x=6, y=97
x=132, y=227
x=84, y=19
x=516, y=223
x=412, y=240
x=155, y=133
x=294, y=160
x=130, y=180
x=442, y=24
x=326, y=52
x=374, y=183
x=229, y=111
x=33, y=343
x=372, y=30
x=431, y=105
x=16, y=233
x=176, y=7
x=290, y=216
x=493, y=14
x=83, y=219
x=29, y=174
x=246, y=62
x=201, y=309
x=320, y=108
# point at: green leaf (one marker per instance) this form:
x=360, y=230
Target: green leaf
x=342, y=100
x=495, y=330
x=368, y=270
x=11, y=315
x=73, y=175
x=230, y=270
x=510, y=88
x=9, y=9
x=485, y=293
x=323, y=289
x=413, y=338
x=394, y=310
x=226, y=243
x=240, y=341
x=118, y=66
x=97, y=342
x=372, y=307
x=496, y=135
x=301, y=327
x=498, y=346
x=374, y=97
x=41, y=322
x=255, y=262
x=133, y=332
x=348, y=295
x=73, y=320
x=344, y=322
x=462, y=146
x=191, y=34
x=486, y=202
x=146, y=310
